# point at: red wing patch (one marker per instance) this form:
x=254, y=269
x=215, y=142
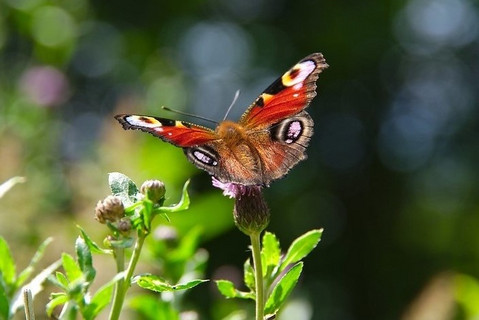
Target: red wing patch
x=287, y=96
x=179, y=133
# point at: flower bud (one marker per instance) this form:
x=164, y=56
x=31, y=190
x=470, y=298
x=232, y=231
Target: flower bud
x=110, y=209
x=154, y=190
x=124, y=225
x=251, y=212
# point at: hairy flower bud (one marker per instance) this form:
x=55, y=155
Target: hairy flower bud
x=110, y=209
x=251, y=212
x=124, y=225
x=154, y=190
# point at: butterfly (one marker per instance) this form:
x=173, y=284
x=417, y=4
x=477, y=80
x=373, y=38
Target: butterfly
x=269, y=139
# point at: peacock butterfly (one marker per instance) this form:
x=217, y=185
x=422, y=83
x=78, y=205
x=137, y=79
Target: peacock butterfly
x=269, y=139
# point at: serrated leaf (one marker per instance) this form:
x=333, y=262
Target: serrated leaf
x=301, y=247
x=26, y=273
x=7, y=265
x=270, y=253
x=72, y=270
x=155, y=283
x=94, y=247
x=123, y=187
x=228, y=289
x=182, y=205
x=55, y=302
x=85, y=260
x=249, y=275
x=282, y=289
x=7, y=185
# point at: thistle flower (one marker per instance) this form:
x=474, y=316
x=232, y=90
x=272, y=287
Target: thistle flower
x=251, y=212
x=154, y=190
x=110, y=209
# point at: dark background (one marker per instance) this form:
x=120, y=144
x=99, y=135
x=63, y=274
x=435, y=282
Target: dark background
x=392, y=173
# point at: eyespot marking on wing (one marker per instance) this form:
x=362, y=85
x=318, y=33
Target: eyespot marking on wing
x=298, y=74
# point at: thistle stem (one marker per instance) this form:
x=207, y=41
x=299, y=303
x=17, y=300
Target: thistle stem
x=124, y=284
x=258, y=270
x=119, y=294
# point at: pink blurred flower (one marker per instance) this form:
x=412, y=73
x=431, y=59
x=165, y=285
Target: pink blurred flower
x=45, y=86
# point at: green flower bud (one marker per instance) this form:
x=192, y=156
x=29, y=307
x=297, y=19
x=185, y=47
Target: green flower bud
x=251, y=212
x=110, y=209
x=154, y=190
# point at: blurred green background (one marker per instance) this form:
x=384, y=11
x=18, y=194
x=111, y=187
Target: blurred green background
x=392, y=173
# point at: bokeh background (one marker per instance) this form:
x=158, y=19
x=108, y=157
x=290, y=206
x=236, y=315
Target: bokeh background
x=392, y=173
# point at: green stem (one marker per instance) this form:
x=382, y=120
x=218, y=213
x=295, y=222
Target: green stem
x=124, y=284
x=118, y=296
x=258, y=270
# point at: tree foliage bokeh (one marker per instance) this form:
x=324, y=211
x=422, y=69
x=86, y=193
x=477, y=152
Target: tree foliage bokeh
x=392, y=173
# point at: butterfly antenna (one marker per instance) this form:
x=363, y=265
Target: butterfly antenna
x=232, y=104
x=189, y=114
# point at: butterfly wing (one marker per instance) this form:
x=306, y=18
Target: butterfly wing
x=286, y=96
x=276, y=122
x=270, y=138
x=179, y=133
x=202, y=146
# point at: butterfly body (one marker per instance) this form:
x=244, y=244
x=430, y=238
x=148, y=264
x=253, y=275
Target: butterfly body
x=270, y=138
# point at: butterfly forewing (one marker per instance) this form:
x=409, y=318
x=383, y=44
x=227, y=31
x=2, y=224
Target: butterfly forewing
x=287, y=96
x=179, y=133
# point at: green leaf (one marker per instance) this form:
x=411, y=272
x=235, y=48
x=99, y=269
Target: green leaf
x=58, y=300
x=152, y=308
x=62, y=280
x=69, y=311
x=301, y=247
x=227, y=288
x=182, y=205
x=155, y=283
x=124, y=243
x=99, y=301
x=270, y=253
x=187, y=246
x=94, y=247
x=466, y=293
x=27, y=272
x=282, y=289
x=123, y=187
x=7, y=185
x=72, y=270
x=4, y=304
x=85, y=259
x=7, y=266
x=35, y=286
x=249, y=275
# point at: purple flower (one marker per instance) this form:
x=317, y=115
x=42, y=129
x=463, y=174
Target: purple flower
x=235, y=190
x=251, y=212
